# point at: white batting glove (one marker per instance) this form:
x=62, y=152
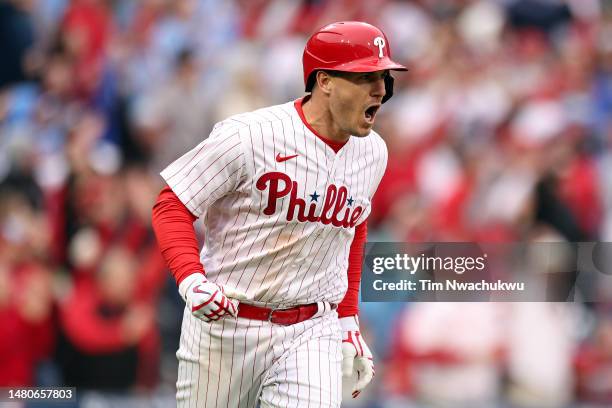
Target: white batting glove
x=356, y=355
x=207, y=300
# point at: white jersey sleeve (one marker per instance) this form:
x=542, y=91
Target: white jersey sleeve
x=211, y=170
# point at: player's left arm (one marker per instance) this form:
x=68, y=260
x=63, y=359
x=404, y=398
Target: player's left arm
x=356, y=355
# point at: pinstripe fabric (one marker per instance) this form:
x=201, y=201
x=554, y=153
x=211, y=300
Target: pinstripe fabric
x=239, y=362
x=276, y=261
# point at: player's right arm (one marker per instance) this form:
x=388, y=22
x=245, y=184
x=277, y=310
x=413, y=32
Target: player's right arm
x=173, y=226
x=203, y=175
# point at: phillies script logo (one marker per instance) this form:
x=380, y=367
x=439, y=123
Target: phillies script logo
x=335, y=210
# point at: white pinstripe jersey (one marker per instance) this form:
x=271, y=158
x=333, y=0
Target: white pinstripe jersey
x=279, y=205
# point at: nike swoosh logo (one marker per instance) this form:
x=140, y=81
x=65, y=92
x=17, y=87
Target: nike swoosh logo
x=198, y=290
x=281, y=159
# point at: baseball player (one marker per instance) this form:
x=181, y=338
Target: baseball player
x=284, y=193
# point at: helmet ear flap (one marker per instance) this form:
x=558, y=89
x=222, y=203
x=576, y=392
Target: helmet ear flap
x=388, y=88
x=311, y=81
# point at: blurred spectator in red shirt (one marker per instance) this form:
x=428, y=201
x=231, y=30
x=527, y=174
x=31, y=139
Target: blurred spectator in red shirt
x=86, y=30
x=26, y=321
x=26, y=324
x=110, y=339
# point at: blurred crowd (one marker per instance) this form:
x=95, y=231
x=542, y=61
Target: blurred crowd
x=501, y=131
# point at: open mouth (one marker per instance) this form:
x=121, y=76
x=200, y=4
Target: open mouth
x=370, y=113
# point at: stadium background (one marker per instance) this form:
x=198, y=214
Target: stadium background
x=501, y=131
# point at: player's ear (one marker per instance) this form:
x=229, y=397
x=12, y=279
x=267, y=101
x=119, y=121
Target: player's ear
x=324, y=81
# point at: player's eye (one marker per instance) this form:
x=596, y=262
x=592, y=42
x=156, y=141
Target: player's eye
x=374, y=76
x=370, y=77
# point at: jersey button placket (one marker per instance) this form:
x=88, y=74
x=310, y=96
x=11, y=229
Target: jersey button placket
x=329, y=179
x=335, y=160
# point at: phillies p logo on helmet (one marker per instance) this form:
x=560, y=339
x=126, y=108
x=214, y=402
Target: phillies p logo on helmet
x=380, y=42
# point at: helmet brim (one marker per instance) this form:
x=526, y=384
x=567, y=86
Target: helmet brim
x=370, y=65
x=361, y=65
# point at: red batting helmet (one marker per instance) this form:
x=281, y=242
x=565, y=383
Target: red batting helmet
x=349, y=46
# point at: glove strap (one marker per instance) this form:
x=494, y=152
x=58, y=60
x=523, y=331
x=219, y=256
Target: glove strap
x=188, y=282
x=349, y=323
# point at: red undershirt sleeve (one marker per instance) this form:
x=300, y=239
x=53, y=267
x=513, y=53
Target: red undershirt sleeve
x=176, y=237
x=350, y=304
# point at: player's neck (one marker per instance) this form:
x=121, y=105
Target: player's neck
x=319, y=118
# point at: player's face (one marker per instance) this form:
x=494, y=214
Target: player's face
x=355, y=100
